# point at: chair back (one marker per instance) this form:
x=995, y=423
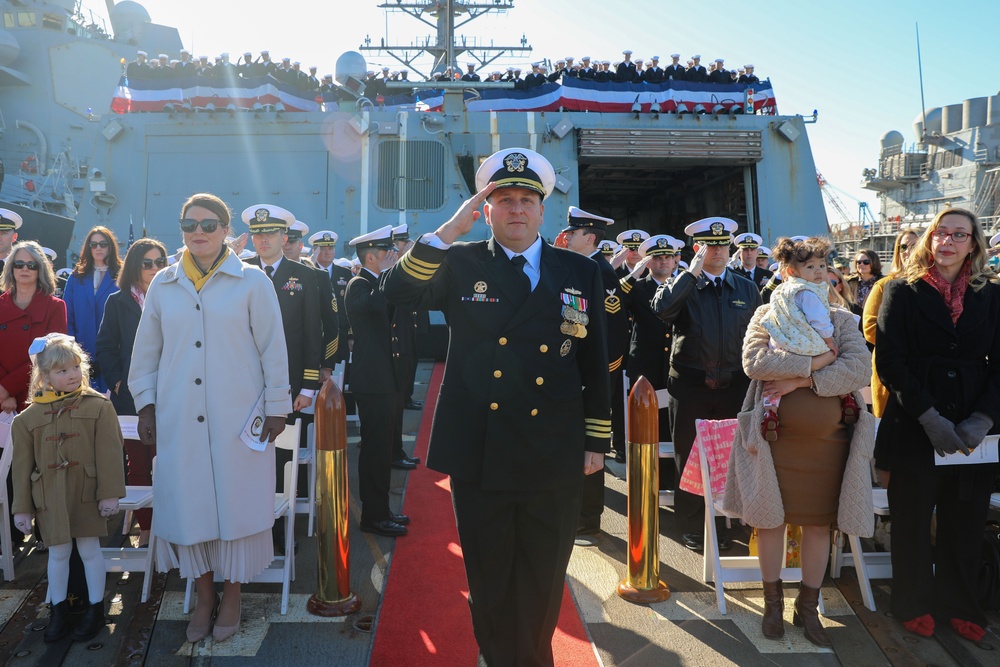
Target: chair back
x=289, y=440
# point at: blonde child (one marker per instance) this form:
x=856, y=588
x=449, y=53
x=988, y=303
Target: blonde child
x=799, y=318
x=67, y=471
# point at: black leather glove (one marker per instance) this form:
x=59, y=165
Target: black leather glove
x=941, y=431
x=147, y=425
x=974, y=428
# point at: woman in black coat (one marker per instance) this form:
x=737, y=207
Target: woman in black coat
x=114, y=354
x=938, y=352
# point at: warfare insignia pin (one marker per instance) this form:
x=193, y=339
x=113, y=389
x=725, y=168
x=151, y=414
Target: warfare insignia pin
x=480, y=287
x=565, y=347
x=575, y=292
x=261, y=215
x=515, y=162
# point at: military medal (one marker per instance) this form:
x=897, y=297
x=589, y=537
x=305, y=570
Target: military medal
x=581, y=331
x=567, y=328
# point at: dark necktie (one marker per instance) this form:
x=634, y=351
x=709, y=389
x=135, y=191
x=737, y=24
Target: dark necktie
x=718, y=286
x=269, y=270
x=524, y=281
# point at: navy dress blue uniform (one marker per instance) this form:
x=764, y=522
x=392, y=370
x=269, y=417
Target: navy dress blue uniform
x=674, y=71
x=758, y=276
x=696, y=74
x=521, y=402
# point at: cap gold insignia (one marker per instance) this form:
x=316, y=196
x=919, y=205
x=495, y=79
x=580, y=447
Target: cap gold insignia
x=565, y=347
x=261, y=215
x=327, y=237
x=637, y=237
x=718, y=229
x=662, y=243
x=480, y=287
x=515, y=162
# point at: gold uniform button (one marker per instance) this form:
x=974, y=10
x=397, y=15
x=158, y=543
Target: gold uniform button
x=503, y=341
x=534, y=412
x=497, y=374
x=666, y=349
x=494, y=406
x=544, y=349
x=539, y=380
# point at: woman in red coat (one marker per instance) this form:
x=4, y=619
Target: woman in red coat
x=27, y=311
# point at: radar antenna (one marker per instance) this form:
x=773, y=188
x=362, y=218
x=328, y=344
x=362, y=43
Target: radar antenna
x=445, y=16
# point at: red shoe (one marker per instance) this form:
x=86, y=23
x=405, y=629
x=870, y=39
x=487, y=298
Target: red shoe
x=849, y=409
x=968, y=630
x=921, y=625
x=769, y=427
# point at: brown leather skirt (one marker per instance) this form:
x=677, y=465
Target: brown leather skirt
x=809, y=457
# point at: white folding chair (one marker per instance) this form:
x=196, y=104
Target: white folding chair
x=307, y=457
x=128, y=559
x=344, y=386
x=282, y=568
x=721, y=570
x=6, y=546
x=666, y=450
x=868, y=564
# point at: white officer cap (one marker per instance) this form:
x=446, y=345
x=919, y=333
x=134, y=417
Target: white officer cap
x=401, y=233
x=344, y=263
x=577, y=218
x=632, y=238
x=264, y=218
x=799, y=239
x=297, y=230
x=682, y=264
x=660, y=245
x=323, y=238
x=773, y=268
x=64, y=273
x=748, y=240
x=247, y=254
x=763, y=251
x=50, y=253
x=517, y=168
x=608, y=247
x=9, y=220
x=712, y=231
x=380, y=238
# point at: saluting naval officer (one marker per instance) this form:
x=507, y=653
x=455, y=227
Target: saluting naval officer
x=709, y=309
x=298, y=299
x=404, y=322
x=749, y=247
x=375, y=382
x=328, y=310
x=324, y=245
x=628, y=256
x=523, y=411
x=583, y=233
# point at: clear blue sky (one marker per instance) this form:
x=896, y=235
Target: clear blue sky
x=854, y=61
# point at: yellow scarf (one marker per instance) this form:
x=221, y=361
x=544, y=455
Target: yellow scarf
x=50, y=396
x=197, y=276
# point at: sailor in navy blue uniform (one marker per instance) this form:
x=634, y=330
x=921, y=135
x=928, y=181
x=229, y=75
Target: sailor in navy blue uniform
x=324, y=245
x=471, y=75
x=536, y=78
x=586, y=72
x=584, y=231
x=375, y=382
x=523, y=411
x=674, y=70
x=653, y=73
x=746, y=264
x=608, y=248
x=629, y=256
x=697, y=72
x=749, y=77
x=328, y=308
x=625, y=71
x=720, y=74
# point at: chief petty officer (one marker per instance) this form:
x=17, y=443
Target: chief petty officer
x=584, y=231
x=523, y=411
x=709, y=309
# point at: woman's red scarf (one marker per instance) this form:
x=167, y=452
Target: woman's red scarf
x=952, y=293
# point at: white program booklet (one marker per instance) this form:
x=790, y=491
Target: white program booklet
x=254, y=427
x=986, y=452
x=129, y=426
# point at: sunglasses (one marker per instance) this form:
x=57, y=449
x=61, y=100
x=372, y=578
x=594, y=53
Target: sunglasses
x=21, y=264
x=866, y=262
x=208, y=226
x=99, y=244
x=159, y=263
x=834, y=282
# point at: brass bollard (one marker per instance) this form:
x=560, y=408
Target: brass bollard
x=334, y=597
x=643, y=583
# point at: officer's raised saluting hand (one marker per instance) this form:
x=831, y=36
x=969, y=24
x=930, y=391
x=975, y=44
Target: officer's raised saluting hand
x=698, y=261
x=461, y=223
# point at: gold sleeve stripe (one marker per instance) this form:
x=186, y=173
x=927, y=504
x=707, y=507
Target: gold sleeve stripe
x=626, y=286
x=615, y=365
x=310, y=374
x=419, y=269
x=332, y=347
x=597, y=422
x=601, y=436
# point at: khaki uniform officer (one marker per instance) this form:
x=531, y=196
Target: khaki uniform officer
x=523, y=411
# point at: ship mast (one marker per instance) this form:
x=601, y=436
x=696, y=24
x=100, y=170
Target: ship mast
x=445, y=16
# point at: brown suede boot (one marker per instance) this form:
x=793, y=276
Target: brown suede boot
x=773, y=623
x=807, y=617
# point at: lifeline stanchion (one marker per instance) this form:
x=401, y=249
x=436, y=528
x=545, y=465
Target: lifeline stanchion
x=334, y=596
x=643, y=585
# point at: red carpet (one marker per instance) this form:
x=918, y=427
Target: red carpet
x=425, y=619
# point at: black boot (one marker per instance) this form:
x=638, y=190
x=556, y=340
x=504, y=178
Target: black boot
x=90, y=624
x=58, y=622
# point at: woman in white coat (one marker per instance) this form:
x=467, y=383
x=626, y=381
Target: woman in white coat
x=208, y=346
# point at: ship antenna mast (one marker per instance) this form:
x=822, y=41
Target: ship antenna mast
x=920, y=69
x=443, y=18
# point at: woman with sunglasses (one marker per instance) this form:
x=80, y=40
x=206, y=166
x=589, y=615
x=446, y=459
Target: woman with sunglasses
x=87, y=289
x=209, y=346
x=937, y=347
x=867, y=271
x=114, y=353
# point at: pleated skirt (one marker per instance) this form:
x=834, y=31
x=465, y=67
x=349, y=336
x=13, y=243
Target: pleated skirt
x=810, y=455
x=232, y=560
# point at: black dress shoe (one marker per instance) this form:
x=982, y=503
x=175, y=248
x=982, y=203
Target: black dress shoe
x=403, y=464
x=413, y=405
x=90, y=625
x=388, y=528
x=401, y=519
x=619, y=457
x=58, y=622
x=693, y=541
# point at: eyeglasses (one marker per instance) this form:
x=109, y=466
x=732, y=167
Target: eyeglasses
x=957, y=237
x=865, y=262
x=99, y=244
x=159, y=263
x=208, y=225
x=21, y=264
